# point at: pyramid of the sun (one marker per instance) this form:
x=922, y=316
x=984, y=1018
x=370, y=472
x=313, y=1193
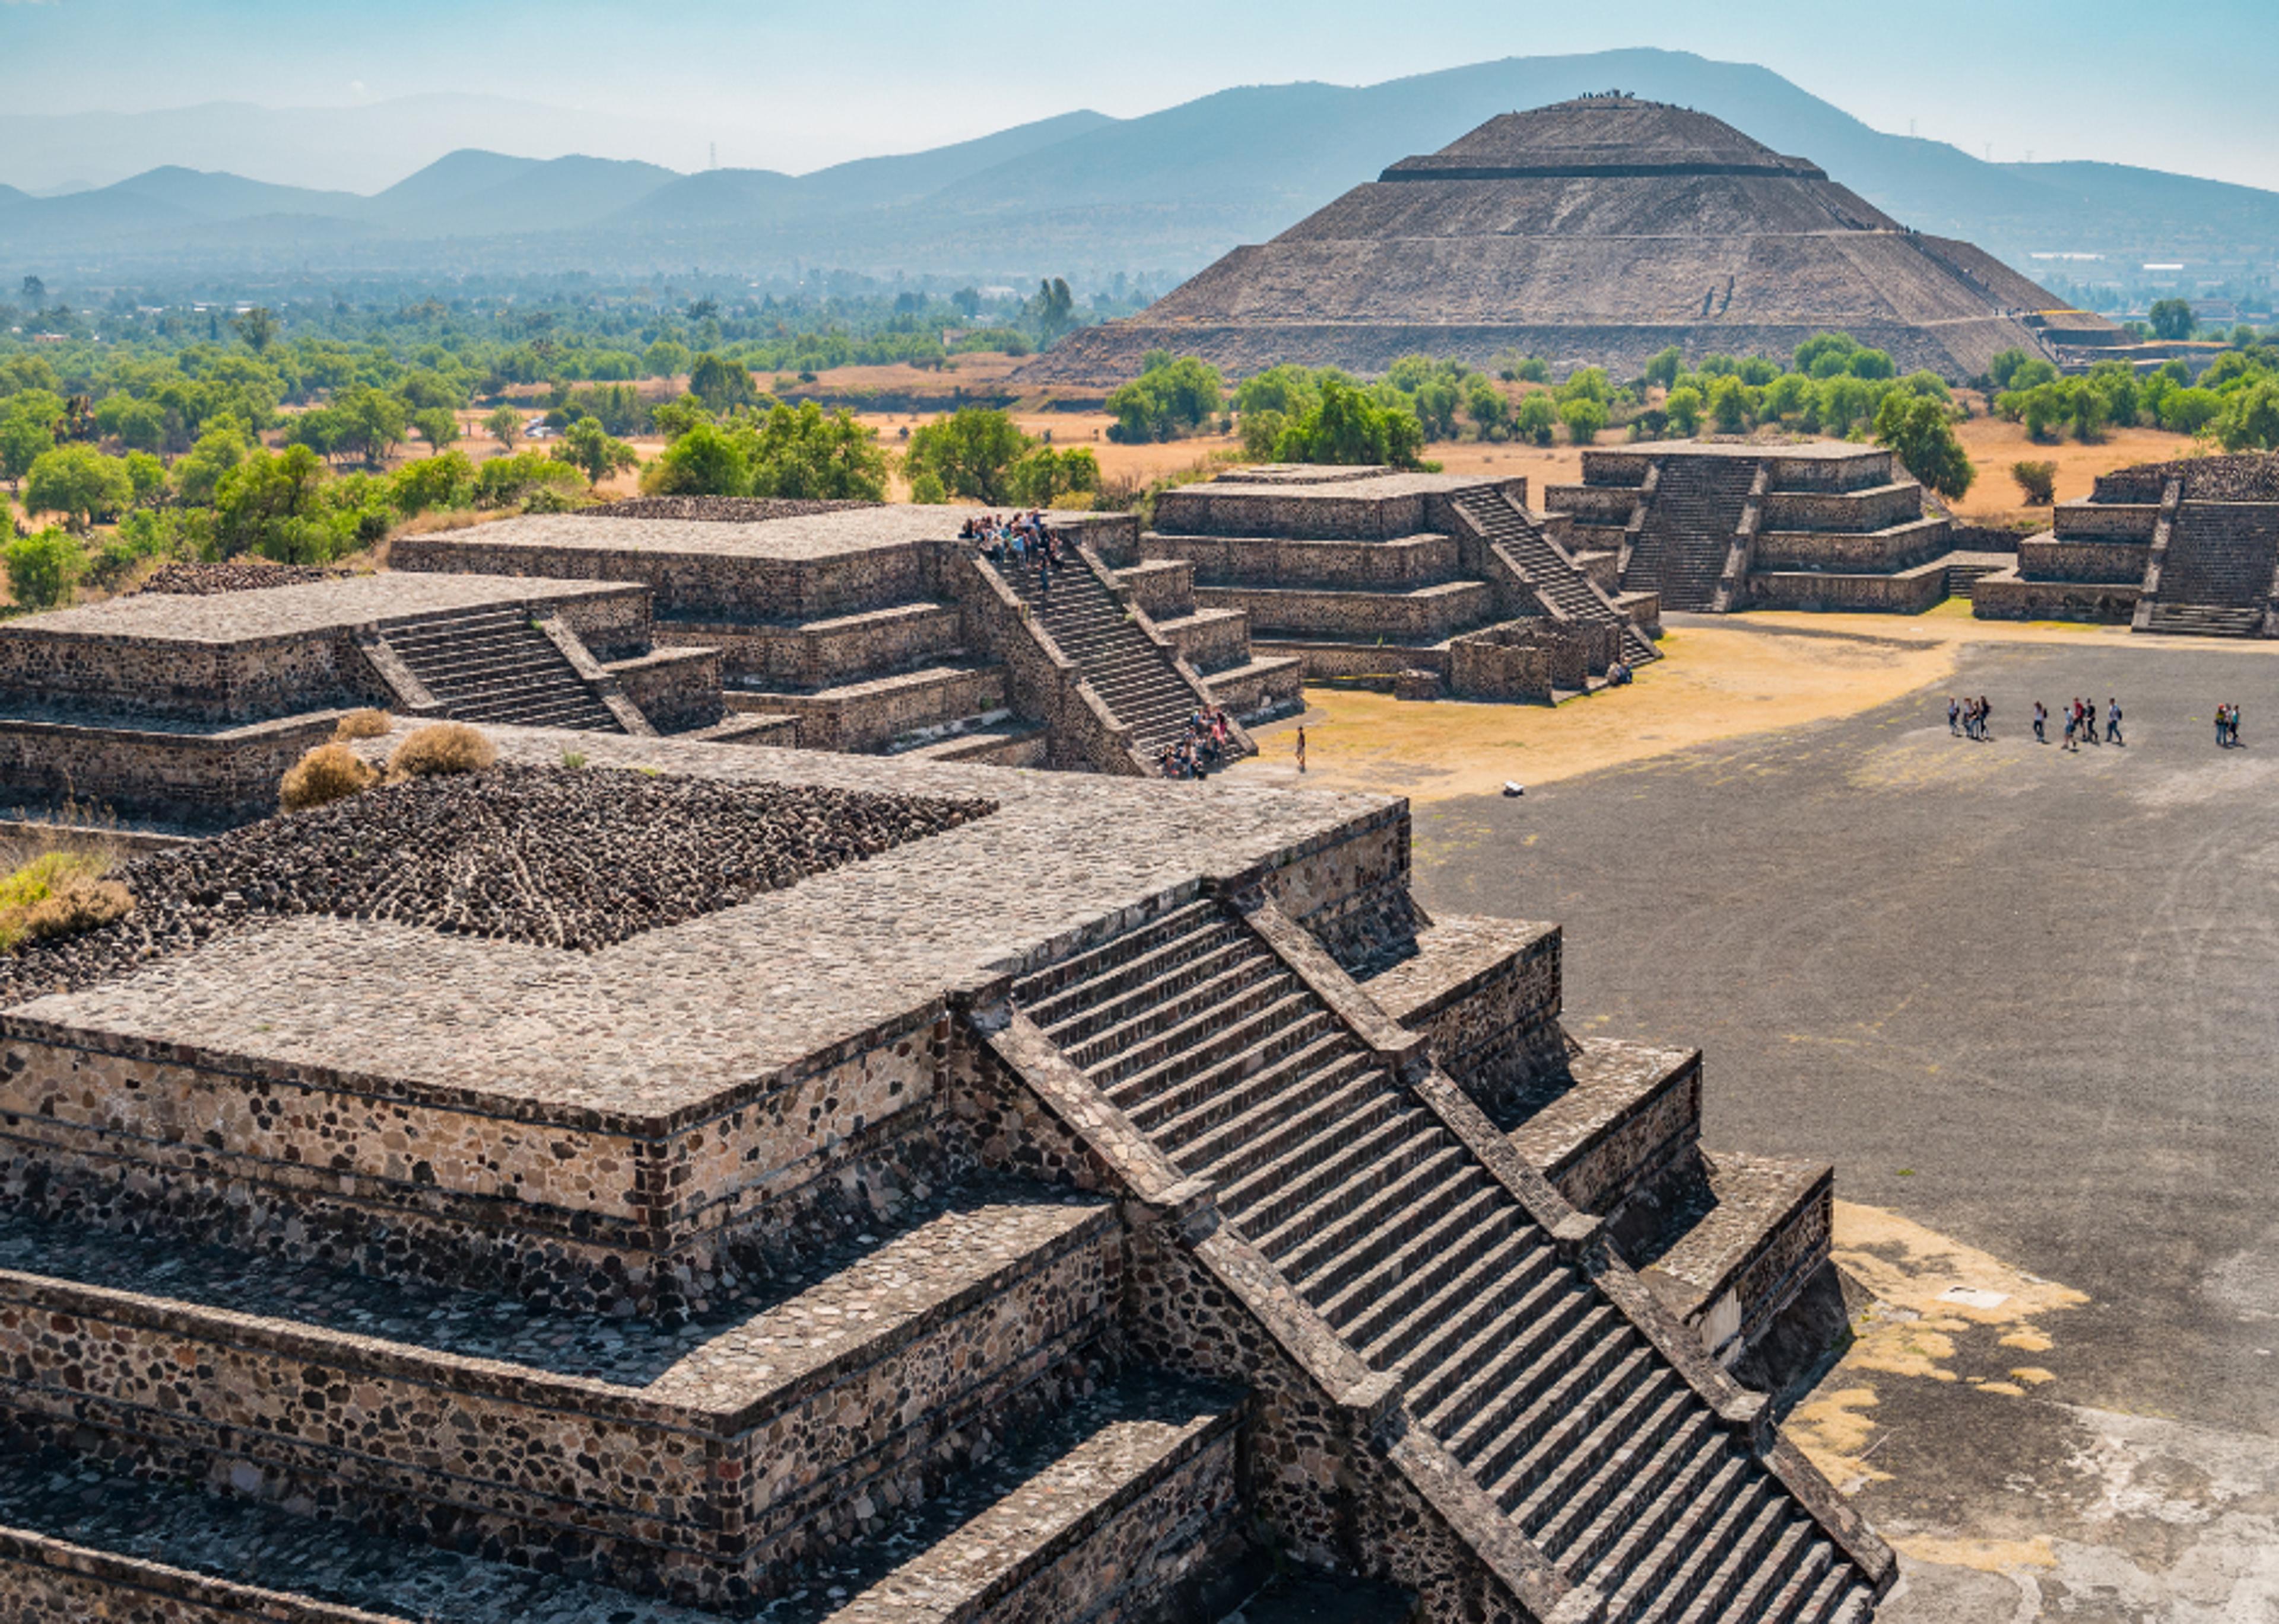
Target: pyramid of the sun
x=1597, y=232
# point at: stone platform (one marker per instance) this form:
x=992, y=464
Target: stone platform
x=1026, y=1216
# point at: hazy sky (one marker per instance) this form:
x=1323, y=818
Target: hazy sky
x=2188, y=87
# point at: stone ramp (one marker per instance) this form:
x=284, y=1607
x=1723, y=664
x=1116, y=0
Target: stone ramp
x=1391, y=1225
x=499, y=666
x=1111, y=1511
x=1690, y=520
x=1503, y=525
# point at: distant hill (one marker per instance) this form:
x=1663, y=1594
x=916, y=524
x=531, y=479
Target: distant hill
x=1080, y=194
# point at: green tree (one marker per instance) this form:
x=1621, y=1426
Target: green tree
x=433, y=482
x=504, y=424
x=721, y=384
x=1584, y=417
x=705, y=460
x=665, y=358
x=1488, y=408
x=147, y=475
x=1729, y=404
x=438, y=425
x=43, y=569
x=591, y=450
x=2188, y=411
x=1921, y=432
x=2171, y=320
x=971, y=452
x=257, y=328
x=1168, y=397
x=1535, y=418
x=369, y=422
x=2251, y=418
x=2038, y=482
x=1684, y=408
x=1347, y=426
x=1664, y=366
x=78, y=482
x=806, y=454
x=26, y=435
x=505, y=481
x=1054, y=308
x=220, y=449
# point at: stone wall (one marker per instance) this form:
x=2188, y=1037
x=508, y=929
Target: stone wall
x=1424, y=616
x=1161, y=587
x=2051, y=558
x=2106, y=521
x=1333, y=659
x=864, y=715
x=1867, y=552
x=1209, y=640
x=1486, y=993
x=214, y=684
x=201, y=779
x=676, y=689
x=1411, y=560
x=2007, y=596
x=1520, y=665
x=588, y=1212
x=1909, y=592
x=1875, y=507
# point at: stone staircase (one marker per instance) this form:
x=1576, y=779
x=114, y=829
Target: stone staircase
x=1505, y=526
x=498, y=665
x=1135, y=678
x=1391, y=1227
x=1691, y=520
x=2216, y=576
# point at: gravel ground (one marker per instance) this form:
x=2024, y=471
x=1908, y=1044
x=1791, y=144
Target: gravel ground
x=555, y=857
x=205, y=580
x=719, y=509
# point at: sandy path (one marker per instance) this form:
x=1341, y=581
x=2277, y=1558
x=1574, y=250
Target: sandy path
x=1717, y=680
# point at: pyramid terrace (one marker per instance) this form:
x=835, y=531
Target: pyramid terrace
x=1020, y=1196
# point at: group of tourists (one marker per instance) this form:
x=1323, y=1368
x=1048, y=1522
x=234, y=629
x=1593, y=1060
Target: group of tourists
x=1201, y=751
x=2227, y=727
x=1968, y=717
x=1021, y=538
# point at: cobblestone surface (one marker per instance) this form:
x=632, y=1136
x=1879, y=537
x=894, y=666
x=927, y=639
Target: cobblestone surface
x=812, y=535
x=726, y=509
x=296, y=610
x=680, y=1015
x=198, y=580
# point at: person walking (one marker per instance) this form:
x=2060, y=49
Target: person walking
x=2113, y=722
x=2041, y=723
x=1985, y=719
x=1953, y=716
x=1301, y=750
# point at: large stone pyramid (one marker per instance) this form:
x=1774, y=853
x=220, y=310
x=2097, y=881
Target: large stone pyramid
x=1594, y=231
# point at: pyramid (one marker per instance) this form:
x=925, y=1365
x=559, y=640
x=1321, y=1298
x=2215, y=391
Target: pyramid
x=1592, y=232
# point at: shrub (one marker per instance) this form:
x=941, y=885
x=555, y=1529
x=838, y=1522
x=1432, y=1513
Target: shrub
x=328, y=773
x=363, y=725
x=2037, y=481
x=59, y=894
x=442, y=748
x=43, y=569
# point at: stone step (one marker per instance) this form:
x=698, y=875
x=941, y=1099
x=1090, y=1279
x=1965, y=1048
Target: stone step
x=1050, y=995
x=1203, y=1136
x=1449, y=1372
x=1565, y=1329
x=1685, y=1460
x=1311, y=1239
x=1237, y=986
x=1511, y=1254
x=456, y=1416
x=1759, y=1544
x=1406, y=1266
x=1381, y=1252
x=1229, y=947
x=1261, y=1036
x=1694, y=1557
x=1779, y=1585
x=1510, y=1457
x=1115, y=1504
x=1269, y=1043
x=1203, y=1032
x=1633, y=1562
x=1299, y=1103
x=1588, y=1452
x=1288, y=1197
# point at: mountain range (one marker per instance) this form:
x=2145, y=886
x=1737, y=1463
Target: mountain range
x=1081, y=195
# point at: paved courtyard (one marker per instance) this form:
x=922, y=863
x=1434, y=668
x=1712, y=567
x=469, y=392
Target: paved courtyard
x=2024, y=1000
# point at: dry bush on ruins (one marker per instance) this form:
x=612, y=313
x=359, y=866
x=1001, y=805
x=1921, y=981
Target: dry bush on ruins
x=363, y=725
x=445, y=747
x=328, y=773
x=59, y=894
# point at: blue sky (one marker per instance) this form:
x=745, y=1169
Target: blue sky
x=2185, y=87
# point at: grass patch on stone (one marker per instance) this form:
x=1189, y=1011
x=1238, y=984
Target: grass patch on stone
x=440, y=751
x=328, y=773
x=59, y=894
